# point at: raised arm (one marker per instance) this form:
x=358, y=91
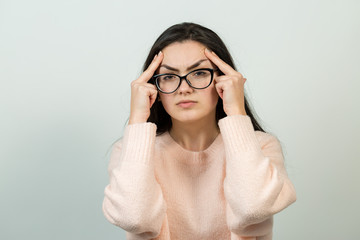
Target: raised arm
x=256, y=185
x=133, y=198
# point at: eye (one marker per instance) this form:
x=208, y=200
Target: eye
x=200, y=73
x=168, y=77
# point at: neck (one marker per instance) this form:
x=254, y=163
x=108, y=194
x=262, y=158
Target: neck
x=194, y=136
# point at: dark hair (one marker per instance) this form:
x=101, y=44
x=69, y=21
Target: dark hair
x=179, y=33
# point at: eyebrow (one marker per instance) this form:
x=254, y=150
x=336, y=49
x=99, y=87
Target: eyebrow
x=189, y=68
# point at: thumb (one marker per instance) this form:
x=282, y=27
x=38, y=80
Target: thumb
x=153, y=96
x=219, y=90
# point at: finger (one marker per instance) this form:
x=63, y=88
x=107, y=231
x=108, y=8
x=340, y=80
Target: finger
x=219, y=86
x=223, y=66
x=233, y=79
x=155, y=64
x=149, y=72
x=221, y=78
x=153, y=96
x=151, y=92
x=142, y=86
x=219, y=90
x=152, y=86
x=147, y=87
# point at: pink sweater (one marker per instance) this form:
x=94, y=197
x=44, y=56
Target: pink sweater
x=231, y=190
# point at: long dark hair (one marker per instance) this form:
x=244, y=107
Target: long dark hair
x=179, y=33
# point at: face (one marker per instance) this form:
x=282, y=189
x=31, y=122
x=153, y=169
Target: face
x=187, y=104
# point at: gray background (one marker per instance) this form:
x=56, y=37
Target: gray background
x=66, y=68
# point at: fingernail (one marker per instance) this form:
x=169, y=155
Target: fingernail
x=160, y=52
x=155, y=56
x=207, y=50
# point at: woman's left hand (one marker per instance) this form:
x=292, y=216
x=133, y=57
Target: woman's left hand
x=230, y=86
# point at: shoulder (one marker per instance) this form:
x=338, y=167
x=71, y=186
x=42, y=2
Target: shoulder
x=268, y=140
x=261, y=136
x=118, y=143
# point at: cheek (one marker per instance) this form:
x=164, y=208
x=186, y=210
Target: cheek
x=165, y=100
x=213, y=95
x=210, y=97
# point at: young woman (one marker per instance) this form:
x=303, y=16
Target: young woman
x=193, y=162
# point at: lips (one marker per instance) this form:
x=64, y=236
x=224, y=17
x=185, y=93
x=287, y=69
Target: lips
x=186, y=103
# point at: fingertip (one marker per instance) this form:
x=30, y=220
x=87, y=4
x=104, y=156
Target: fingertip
x=208, y=53
x=160, y=55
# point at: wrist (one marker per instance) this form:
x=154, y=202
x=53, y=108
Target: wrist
x=138, y=117
x=134, y=121
x=236, y=112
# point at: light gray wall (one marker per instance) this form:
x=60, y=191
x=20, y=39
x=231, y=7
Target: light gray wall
x=66, y=68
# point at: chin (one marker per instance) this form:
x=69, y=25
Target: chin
x=189, y=117
x=185, y=119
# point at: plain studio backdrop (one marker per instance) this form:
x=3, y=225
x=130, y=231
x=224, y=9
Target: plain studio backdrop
x=66, y=68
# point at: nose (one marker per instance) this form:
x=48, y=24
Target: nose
x=185, y=87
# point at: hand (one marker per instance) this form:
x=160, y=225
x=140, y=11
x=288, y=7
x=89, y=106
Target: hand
x=230, y=86
x=143, y=94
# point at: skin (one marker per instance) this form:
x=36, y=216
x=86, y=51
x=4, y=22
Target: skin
x=195, y=127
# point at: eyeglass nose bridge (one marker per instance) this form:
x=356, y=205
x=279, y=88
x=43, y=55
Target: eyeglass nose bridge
x=186, y=80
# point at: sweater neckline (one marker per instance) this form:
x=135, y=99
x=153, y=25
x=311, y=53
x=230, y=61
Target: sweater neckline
x=212, y=148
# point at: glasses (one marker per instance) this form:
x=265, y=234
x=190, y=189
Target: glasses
x=198, y=79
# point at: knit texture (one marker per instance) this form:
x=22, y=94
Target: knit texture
x=231, y=190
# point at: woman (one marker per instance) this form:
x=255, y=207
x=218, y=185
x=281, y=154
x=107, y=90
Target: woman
x=193, y=162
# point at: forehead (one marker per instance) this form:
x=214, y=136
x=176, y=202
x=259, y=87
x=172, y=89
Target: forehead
x=182, y=54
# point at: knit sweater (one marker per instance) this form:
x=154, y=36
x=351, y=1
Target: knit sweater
x=231, y=190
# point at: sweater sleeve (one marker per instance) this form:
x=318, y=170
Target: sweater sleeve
x=133, y=198
x=256, y=185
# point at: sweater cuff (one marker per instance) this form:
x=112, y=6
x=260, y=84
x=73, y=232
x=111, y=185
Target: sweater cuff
x=139, y=141
x=238, y=133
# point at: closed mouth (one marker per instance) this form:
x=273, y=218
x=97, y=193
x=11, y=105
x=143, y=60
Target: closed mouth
x=186, y=101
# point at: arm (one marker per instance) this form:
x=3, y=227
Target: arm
x=256, y=185
x=133, y=199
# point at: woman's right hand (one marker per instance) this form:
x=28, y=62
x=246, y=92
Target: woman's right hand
x=143, y=94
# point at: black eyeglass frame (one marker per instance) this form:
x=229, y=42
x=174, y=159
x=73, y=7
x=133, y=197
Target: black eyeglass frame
x=184, y=77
